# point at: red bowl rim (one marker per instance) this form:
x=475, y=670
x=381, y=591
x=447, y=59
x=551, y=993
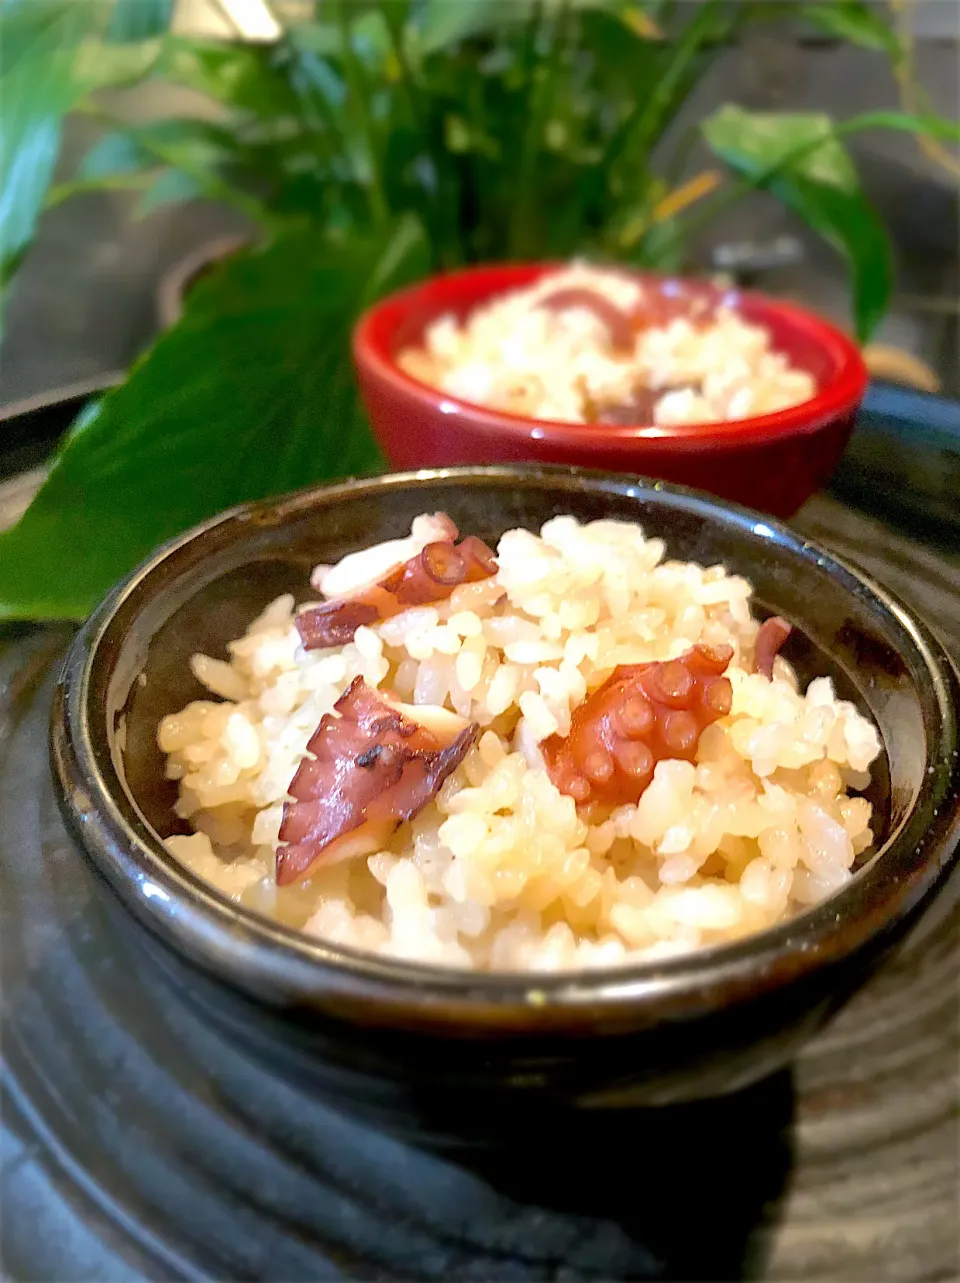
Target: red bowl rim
x=372, y=351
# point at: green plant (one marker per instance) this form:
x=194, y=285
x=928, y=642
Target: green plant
x=367, y=146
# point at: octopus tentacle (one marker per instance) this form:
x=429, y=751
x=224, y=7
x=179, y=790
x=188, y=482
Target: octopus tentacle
x=357, y=572
x=618, y=323
x=335, y=623
x=370, y=765
x=430, y=576
x=772, y=635
x=642, y=714
x=655, y=310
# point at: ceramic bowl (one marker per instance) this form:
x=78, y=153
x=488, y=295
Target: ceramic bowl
x=445, y=1055
x=772, y=462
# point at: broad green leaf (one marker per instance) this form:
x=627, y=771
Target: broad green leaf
x=34, y=28
x=802, y=161
x=252, y=394
x=853, y=21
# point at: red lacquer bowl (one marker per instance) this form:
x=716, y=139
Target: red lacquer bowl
x=772, y=462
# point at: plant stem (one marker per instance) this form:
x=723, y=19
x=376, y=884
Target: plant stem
x=643, y=121
x=912, y=94
x=358, y=93
x=438, y=215
x=407, y=77
x=526, y=170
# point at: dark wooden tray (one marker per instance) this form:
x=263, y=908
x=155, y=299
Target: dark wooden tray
x=135, y=1145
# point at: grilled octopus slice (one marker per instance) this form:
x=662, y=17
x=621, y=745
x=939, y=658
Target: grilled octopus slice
x=370, y=765
x=642, y=714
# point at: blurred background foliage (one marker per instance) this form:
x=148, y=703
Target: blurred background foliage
x=366, y=143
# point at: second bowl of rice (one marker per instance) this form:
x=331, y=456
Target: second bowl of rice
x=749, y=397
x=576, y=802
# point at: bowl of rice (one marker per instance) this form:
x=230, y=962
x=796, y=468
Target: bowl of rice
x=484, y=795
x=747, y=397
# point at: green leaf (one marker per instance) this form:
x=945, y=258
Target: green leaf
x=116, y=153
x=205, y=153
x=802, y=161
x=139, y=19
x=947, y=131
x=252, y=394
x=197, y=146
x=442, y=23
x=171, y=187
x=712, y=22
x=853, y=21
x=243, y=77
x=62, y=192
x=369, y=36
x=285, y=89
x=48, y=64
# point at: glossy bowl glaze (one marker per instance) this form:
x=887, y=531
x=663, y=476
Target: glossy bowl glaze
x=772, y=462
x=443, y=1054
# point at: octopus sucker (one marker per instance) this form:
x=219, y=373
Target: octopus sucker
x=370, y=765
x=430, y=575
x=642, y=714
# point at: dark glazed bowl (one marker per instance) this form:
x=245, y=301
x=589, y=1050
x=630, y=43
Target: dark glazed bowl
x=772, y=461
x=443, y=1054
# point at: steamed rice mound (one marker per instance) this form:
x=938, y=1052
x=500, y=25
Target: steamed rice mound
x=518, y=356
x=501, y=871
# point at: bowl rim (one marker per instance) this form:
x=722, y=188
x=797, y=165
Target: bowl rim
x=373, y=353
x=264, y=956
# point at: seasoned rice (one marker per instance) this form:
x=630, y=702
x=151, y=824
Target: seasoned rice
x=518, y=356
x=501, y=870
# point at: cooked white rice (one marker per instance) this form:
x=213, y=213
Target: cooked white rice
x=501, y=871
x=516, y=356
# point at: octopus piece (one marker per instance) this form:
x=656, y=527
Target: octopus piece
x=772, y=635
x=656, y=310
x=642, y=714
x=639, y=409
x=359, y=571
x=371, y=764
x=429, y=576
x=619, y=324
